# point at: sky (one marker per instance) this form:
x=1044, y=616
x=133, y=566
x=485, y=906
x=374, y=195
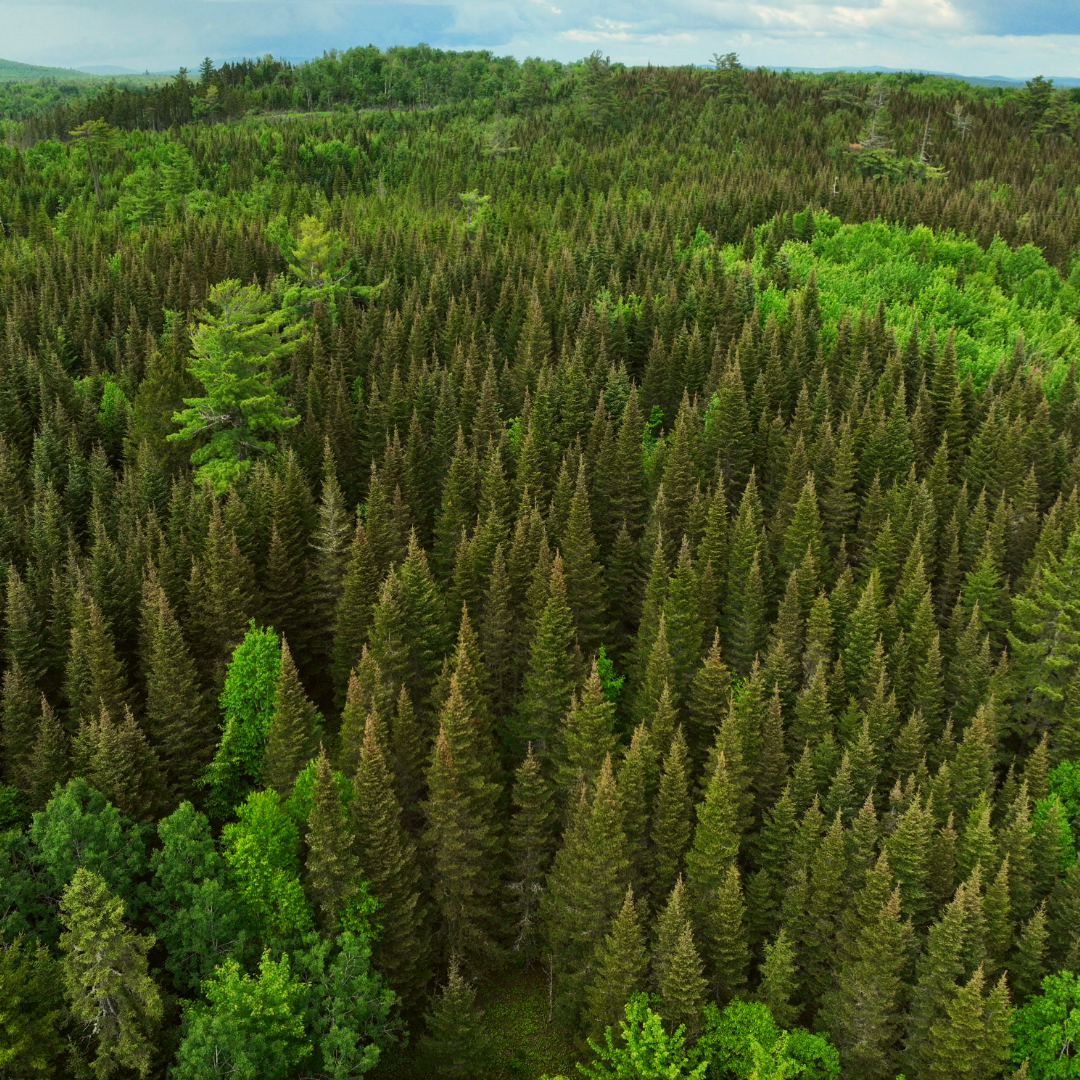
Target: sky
x=970, y=37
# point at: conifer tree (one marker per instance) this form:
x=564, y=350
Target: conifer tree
x=107, y=977
x=622, y=963
x=353, y=613
x=332, y=874
x=117, y=760
x=677, y=967
x=175, y=715
x=973, y=1038
x=671, y=820
x=456, y=1043
x=530, y=844
x=707, y=703
x=585, y=888
x=587, y=737
x=294, y=731
x=549, y=678
x=19, y=724
x=388, y=863
x=49, y=762
x=462, y=832
x=583, y=572
x=778, y=982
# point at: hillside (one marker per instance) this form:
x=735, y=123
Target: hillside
x=12, y=71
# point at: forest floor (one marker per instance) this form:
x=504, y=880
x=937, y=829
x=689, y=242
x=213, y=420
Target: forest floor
x=526, y=1046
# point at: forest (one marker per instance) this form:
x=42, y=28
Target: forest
x=538, y=570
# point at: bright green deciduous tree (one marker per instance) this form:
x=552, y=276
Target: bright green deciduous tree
x=262, y=852
x=248, y=1027
x=644, y=1050
x=247, y=704
x=234, y=352
x=1046, y=1030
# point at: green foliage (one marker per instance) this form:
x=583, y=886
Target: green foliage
x=1046, y=1029
x=32, y=1012
x=248, y=1026
x=106, y=977
x=80, y=830
x=644, y=1049
x=194, y=913
x=743, y=1040
x=234, y=352
x=262, y=852
x=247, y=705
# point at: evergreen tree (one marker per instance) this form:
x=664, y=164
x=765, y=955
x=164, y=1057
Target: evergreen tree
x=530, y=843
x=622, y=963
x=331, y=865
x=462, y=833
x=388, y=863
x=175, y=714
x=677, y=967
x=778, y=982
x=549, y=678
x=671, y=824
x=456, y=1043
x=585, y=888
x=294, y=731
x=107, y=976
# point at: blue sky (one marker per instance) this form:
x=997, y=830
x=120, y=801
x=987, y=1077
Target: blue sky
x=973, y=37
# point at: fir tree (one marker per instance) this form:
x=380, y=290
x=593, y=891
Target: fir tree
x=622, y=963
x=294, y=730
x=549, y=678
x=331, y=864
x=456, y=1043
x=530, y=843
x=586, y=885
x=778, y=981
x=107, y=977
x=175, y=714
x=671, y=824
x=388, y=863
x=677, y=967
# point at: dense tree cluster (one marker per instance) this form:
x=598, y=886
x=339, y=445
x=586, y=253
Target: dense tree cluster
x=653, y=580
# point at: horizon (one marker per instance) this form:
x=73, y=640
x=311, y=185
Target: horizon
x=978, y=39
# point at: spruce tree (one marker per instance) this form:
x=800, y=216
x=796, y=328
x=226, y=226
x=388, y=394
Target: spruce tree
x=353, y=613
x=49, y=763
x=549, y=678
x=585, y=889
x=332, y=873
x=622, y=963
x=671, y=820
x=175, y=711
x=677, y=967
x=107, y=977
x=294, y=731
x=778, y=981
x=586, y=738
x=530, y=844
x=19, y=724
x=388, y=863
x=462, y=833
x=456, y=1044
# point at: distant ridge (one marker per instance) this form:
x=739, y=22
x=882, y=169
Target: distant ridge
x=13, y=71
x=1063, y=81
